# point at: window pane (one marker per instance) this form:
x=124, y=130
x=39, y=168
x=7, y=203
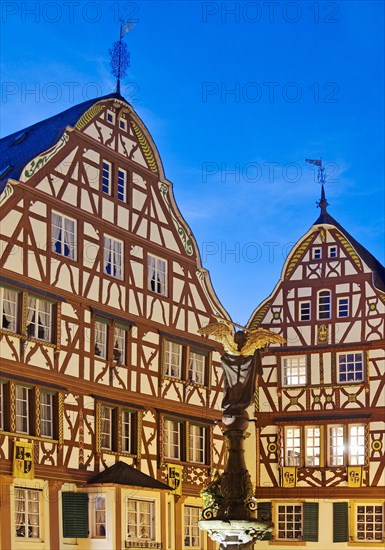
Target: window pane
x=356, y=445
x=22, y=409
x=172, y=439
x=191, y=529
x=106, y=428
x=294, y=371
x=370, y=523
x=127, y=427
x=106, y=178
x=101, y=339
x=157, y=275
x=8, y=305
x=350, y=367
x=196, y=367
x=99, y=517
x=27, y=513
x=336, y=445
x=119, y=344
x=292, y=446
x=290, y=521
x=122, y=184
x=313, y=445
x=39, y=318
x=197, y=443
x=63, y=234
x=46, y=414
x=324, y=304
x=113, y=257
x=173, y=359
x=140, y=519
x=305, y=311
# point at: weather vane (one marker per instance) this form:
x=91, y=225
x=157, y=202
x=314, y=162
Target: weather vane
x=322, y=203
x=120, y=56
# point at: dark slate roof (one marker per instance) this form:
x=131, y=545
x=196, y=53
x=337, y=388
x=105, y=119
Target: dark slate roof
x=124, y=474
x=17, y=149
x=372, y=262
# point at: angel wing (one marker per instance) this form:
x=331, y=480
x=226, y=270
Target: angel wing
x=259, y=338
x=221, y=332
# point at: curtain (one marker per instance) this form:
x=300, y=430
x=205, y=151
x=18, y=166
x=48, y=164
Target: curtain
x=9, y=309
x=117, y=248
x=44, y=329
x=151, y=273
x=161, y=277
x=20, y=512
x=56, y=230
x=31, y=319
x=119, y=344
x=105, y=427
x=69, y=237
x=33, y=514
x=107, y=255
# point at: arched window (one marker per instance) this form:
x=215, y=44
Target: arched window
x=324, y=304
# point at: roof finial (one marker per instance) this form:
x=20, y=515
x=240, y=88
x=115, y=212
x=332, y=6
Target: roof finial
x=120, y=56
x=322, y=203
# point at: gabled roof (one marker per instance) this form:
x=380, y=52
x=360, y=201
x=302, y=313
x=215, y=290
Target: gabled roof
x=17, y=149
x=372, y=262
x=124, y=474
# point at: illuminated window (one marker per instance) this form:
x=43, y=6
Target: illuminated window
x=98, y=516
x=312, y=445
x=356, y=445
x=292, y=446
x=27, y=513
x=294, y=371
x=140, y=519
x=370, y=522
x=289, y=521
x=336, y=446
x=192, y=537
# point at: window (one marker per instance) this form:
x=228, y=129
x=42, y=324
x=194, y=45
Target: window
x=294, y=371
x=350, y=367
x=312, y=445
x=101, y=339
x=39, y=319
x=118, y=429
x=63, y=234
x=370, y=522
x=196, y=371
x=332, y=252
x=106, y=177
x=113, y=257
x=98, y=517
x=110, y=117
x=122, y=184
x=173, y=359
x=292, y=446
x=140, y=519
x=123, y=124
x=8, y=308
x=356, y=445
x=119, y=344
x=197, y=443
x=343, y=307
x=317, y=254
x=289, y=521
x=304, y=311
x=106, y=427
x=46, y=414
x=324, y=304
x=191, y=529
x=22, y=409
x=173, y=439
x=157, y=275
x=27, y=513
x=2, y=405
x=336, y=445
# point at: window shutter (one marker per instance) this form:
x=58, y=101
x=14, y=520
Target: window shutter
x=75, y=515
x=340, y=522
x=264, y=514
x=310, y=521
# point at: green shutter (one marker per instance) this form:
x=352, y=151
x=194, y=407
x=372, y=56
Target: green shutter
x=264, y=514
x=340, y=522
x=75, y=515
x=310, y=521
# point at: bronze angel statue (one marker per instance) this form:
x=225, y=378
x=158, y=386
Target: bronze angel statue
x=241, y=363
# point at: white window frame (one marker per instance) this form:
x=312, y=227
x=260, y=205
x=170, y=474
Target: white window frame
x=312, y=446
x=140, y=515
x=333, y=251
x=192, y=535
x=47, y=414
x=356, y=445
x=348, y=371
x=100, y=339
x=173, y=355
x=294, y=370
x=22, y=403
x=324, y=304
x=127, y=419
x=366, y=517
x=113, y=257
x=63, y=234
x=123, y=124
x=173, y=439
x=106, y=177
x=122, y=185
x=289, y=521
x=293, y=446
x=112, y=115
x=336, y=445
x=39, y=319
x=197, y=443
x=9, y=308
x=305, y=310
x=27, y=513
x=106, y=427
x=197, y=364
x=316, y=253
x=119, y=345
x=157, y=275
x=343, y=306
x=98, y=514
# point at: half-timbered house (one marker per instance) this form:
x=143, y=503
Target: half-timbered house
x=109, y=397
x=320, y=403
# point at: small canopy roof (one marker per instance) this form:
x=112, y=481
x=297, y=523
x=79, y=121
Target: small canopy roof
x=124, y=474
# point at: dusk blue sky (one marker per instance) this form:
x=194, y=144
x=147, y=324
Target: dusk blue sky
x=307, y=80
